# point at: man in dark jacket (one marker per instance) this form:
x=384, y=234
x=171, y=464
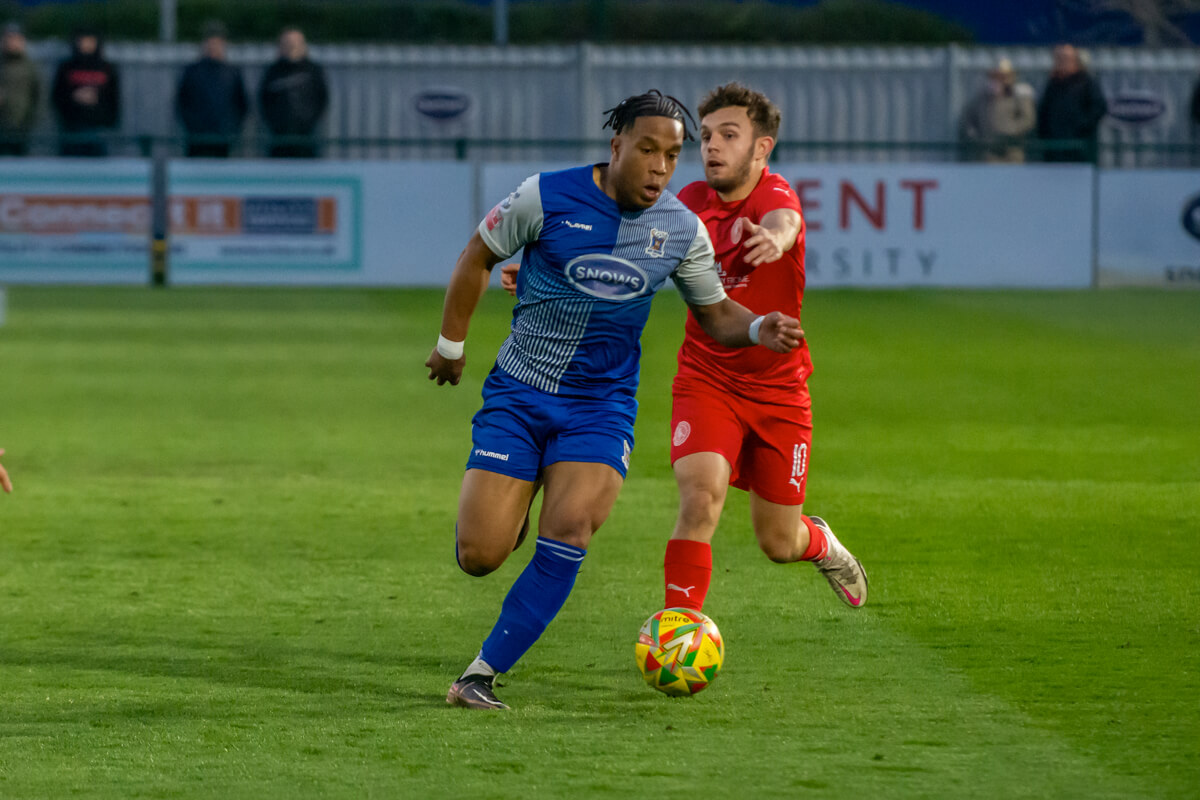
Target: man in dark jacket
x=293, y=95
x=1195, y=116
x=1071, y=108
x=1195, y=107
x=211, y=99
x=87, y=97
x=20, y=88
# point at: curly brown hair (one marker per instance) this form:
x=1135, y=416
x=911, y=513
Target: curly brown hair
x=764, y=115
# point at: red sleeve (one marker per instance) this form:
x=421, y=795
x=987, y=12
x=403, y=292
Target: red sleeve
x=774, y=192
x=695, y=196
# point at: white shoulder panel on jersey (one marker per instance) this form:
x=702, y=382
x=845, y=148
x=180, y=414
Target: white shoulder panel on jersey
x=696, y=275
x=516, y=220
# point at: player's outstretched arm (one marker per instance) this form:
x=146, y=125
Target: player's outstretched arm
x=5, y=481
x=734, y=325
x=768, y=241
x=467, y=284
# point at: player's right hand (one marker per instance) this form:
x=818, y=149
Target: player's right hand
x=5, y=481
x=762, y=245
x=780, y=333
x=508, y=278
x=442, y=370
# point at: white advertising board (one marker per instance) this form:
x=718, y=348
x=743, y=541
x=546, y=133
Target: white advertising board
x=966, y=225
x=890, y=225
x=1149, y=228
x=76, y=221
x=318, y=223
x=236, y=222
x=404, y=223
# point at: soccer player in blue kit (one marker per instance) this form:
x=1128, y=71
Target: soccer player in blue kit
x=559, y=404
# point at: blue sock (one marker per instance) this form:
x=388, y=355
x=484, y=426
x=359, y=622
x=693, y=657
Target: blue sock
x=534, y=600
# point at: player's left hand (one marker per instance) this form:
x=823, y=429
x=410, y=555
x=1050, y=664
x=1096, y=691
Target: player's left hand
x=508, y=278
x=443, y=370
x=761, y=244
x=780, y=333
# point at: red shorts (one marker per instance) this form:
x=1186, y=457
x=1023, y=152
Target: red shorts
x=766, y=444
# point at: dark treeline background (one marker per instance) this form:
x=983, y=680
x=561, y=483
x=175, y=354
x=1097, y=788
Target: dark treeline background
x=463, y=22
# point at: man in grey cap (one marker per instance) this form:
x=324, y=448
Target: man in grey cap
x=999, y=118
x=20, y=91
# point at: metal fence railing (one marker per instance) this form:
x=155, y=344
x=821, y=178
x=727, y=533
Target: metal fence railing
x=1104, y=154
x=515, y=103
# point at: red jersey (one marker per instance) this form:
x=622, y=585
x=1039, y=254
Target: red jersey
x=754, y=372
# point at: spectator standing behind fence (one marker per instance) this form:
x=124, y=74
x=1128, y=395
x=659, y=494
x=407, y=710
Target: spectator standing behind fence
x=20, y=90
x=293, y=96
x=1071, y=108
x=997, y=120
x=212, y=99
x=1195, y=117
x=87, y=97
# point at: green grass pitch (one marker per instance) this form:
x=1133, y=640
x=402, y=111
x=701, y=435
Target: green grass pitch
x=227, y=569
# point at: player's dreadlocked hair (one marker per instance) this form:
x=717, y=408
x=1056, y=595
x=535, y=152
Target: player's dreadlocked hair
x=651, y=104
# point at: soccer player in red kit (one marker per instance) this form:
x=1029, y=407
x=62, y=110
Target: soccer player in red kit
x=743, y=417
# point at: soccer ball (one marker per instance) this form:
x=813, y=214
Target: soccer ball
x=679, y=651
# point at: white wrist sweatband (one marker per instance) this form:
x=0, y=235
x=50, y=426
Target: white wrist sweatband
x=754, y=326
x=449, y=349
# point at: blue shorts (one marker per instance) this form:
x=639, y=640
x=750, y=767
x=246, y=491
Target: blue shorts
x=520, y=430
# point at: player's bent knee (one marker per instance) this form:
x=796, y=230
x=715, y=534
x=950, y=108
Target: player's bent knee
x=779, y=555
x=477, y=568
x=778, y=546
x=478, y=561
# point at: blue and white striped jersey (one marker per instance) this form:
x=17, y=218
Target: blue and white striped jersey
x=588, y=275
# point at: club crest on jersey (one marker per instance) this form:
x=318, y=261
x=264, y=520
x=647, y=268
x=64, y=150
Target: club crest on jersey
x=606, y=276
x=657, y=240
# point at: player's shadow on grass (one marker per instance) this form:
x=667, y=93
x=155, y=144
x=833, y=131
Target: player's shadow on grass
x=407, y=675
x=590, y=693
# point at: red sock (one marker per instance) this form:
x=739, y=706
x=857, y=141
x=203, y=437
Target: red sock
x=687, y=570
x=818, y=545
